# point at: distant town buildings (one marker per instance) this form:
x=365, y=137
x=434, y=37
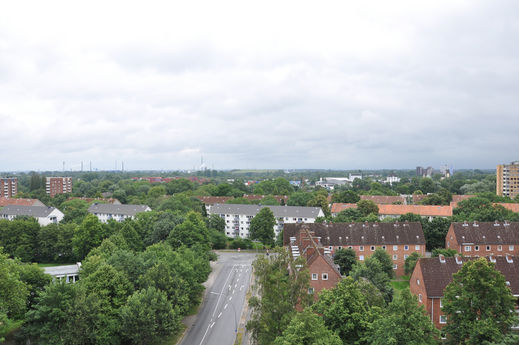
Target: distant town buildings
x=424, y=172
x=43, y=214
x=391, y=179
x=8, y=187
x=58, y=185
x=330, y=182
x=105, y=212
x=238, y=216
x=507, y=179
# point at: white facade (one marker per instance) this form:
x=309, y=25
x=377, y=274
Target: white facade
x=69, y=273
x=106, y=212
x=53, y=217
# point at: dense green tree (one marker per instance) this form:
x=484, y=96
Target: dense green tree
x=192, y=231
x=34, y=279
x=345, y=258
x=55, y=243
x=478, y=304
x=435, y=232
x=374, y=271
x=348, y=215
x=75, y=210
x=410, y=263
x=482, y=210
x=87, y=236
x=346, y=196
x=299, y=199
x=321, y=201
x=218, y=239
x=307, y=328
x=214, y=221
x=131, y=237
x=13, y=292
x=385, y=260
x=447, y=252
x=345, y=310
x=427, y=185
x=282, y=286
x=182, y=203
x=148, y=317
x=262, y=226
x=367, y=207
x=108, y=283
x=278, y=186
x=403, y=322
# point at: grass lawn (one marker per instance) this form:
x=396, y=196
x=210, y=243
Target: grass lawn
x=400, y=284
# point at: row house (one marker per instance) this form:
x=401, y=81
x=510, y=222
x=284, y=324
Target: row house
x=43, y=214
x=8, y=187
x=395, y=211
x=432, y=275
x=484, y=238
x=324, y=273
x=385, y=199
x=398, y=239
x=106, y=212
x=238, y=216
x=58, y=185
x=20, y=202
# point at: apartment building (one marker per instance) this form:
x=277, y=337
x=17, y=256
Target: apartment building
x=507, y=179
x=8, y=187
x=484, y=238
x=238, y=216
x=43, y=214
x=432, y=275
x=105, y=212
x=398, y=239
x=58, y=185
x=324, y=273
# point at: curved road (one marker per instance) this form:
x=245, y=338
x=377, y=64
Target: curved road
x=224, y=300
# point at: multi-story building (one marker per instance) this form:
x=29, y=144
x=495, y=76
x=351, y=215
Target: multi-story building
x=105, y=212
x=8, y=187
x=324, y=273
x=432, y=275
x=237, y=216
x=43, y=214
x=424, y=172
x=484, y=238
x=399, y=240
x=507, y=179
x=58, y=185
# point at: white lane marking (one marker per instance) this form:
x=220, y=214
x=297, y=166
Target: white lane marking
x=247, y=270
x=225, y=306
x=207, y=330
x=236, y=285
x=219, y=315
x=221, y=293
x=230, y=298
x=241, y=287
x=233, y=291
x=212, y=324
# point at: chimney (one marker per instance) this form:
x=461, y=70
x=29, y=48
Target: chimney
x=509, y=258
x=442, y=258
x=458, y=260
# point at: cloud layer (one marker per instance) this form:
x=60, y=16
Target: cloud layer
x=334, y=84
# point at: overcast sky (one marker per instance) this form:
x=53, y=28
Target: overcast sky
x=258, y=84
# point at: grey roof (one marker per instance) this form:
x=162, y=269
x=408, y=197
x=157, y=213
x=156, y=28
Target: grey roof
x=279, y=211
x=31, y=211
x=62, y=270
x=487, y=232
x=127, y=210
x=349, y=234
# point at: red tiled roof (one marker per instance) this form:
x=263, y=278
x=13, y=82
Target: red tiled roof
x=211, y=200
x=383, y=199
x=511, y=207
x=422, y=210
x=458, y=198
x=20, y=202
x=418, y=197
x=486, y=232
x=89, y=200
x=338, y=207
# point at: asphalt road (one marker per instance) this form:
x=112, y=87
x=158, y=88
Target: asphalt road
x=217, y=321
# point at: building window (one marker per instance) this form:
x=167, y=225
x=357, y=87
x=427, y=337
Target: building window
x=395, y=257
x=510, y=248
x=339, y=247
x=350, y=247
x=325, y=276
x=310, y=291
x=488, y=248
x=468, y=248
x=443, y=319
x=361, y=248
x=361, y=257
x=420, y=297
x=441, y=302
x=314, y=276
x=406, y=247
x=417, y=247
x=476, y=248
x=395, y=247
x=395, y=266
x=372, y=248
x=384, y=247
x=499, y=248
x=417, y=281
x=406, y=256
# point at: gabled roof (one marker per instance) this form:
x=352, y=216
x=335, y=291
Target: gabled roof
x=211, y=200
x=20, y=202
x=437, y=275
x=317, y=250
x=31, y=211
x=422, y=210
x=458, y=198
x=338, y=207
x=349, y=234
x=510, y=206
x=383, y=199
x=127, y=210
x=486, y=232
x=279, y=211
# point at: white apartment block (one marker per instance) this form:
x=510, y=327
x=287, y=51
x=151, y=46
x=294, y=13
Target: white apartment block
x=105, y=212
x=43, y=214
x=237, y=217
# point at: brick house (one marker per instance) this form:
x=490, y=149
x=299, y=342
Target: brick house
x=484, y=238
x=324, y=274
x=58, y=185
x=432, y=275
x=395, y=211
x=398, y=239
x=385, y=199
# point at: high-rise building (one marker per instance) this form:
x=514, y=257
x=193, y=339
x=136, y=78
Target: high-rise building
x=8, y=187
x=58, y=185
x=507, y=179
x=424, y=172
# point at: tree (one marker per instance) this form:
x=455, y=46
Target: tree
x=34, y=279
x=282, y=286
x=345, y=258
x=131, y=237
x=367, y=207
x=435, y=232
x=321, y=201
x=345, y=310
x=447, y=252
x=346, y=196
x=410, y=262
x=385, y=260
x=192, y=231
x=216, y=222
x=427, y=185
x=88, y=235
x=307, y=328
x=373, y=270
x=299, y=199
x=262, y=226
x=478, y=304
x=147, y=317
x=404, y=322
